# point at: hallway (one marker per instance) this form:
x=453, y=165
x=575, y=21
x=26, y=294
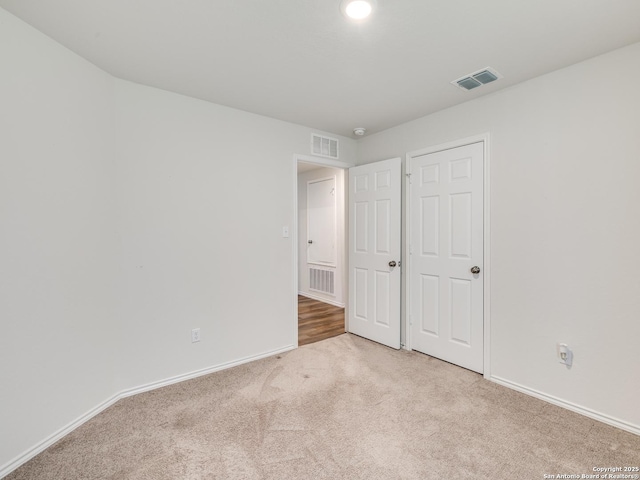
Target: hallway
x=318, y=321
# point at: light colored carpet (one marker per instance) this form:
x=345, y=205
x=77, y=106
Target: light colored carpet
x=343, y=408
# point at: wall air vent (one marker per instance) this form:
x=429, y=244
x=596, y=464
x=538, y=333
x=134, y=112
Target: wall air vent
x=477, y=79
x=324, y=146
x=321, y=280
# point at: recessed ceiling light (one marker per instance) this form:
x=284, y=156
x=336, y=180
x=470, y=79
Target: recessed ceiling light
x=357, y=9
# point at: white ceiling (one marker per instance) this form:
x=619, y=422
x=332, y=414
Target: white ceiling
x=303, y=62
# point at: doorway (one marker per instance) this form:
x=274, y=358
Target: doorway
x=321, y=261
x=318, y=320
x=370, y=209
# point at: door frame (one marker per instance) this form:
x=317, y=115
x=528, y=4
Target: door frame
x=293, y=233
x=486, y=310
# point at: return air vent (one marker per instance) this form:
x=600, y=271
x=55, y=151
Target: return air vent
x=321, y=280
x=324, y=146
x=477, y=79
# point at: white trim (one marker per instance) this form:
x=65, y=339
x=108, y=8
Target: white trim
x=449, y=145
x=327, y=265
x=294, y=251
x=23, y=458
x=406, y=270
x=322, y=179
x=487, y=256
x=587, y=412
x=485, y=139
x=321, y=299
x=204, y=371
x=294, y=243
x=345, y=245
x=317, y=160
x=10, y=466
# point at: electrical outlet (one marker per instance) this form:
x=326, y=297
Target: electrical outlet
x=565, y=355
x=195, y=335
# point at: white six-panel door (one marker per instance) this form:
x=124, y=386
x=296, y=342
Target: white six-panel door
x=374, y=251
x=446, y=247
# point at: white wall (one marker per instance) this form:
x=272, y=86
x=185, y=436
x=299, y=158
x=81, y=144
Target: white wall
x=203, y=193
x=303, y=266
x=57, y=237
x=565, y=229
x=129, y=216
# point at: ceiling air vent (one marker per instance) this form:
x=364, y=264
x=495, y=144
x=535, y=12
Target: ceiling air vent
x=477, y=79
x=324, y=146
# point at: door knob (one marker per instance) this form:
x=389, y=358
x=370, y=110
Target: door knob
x=475, y=270
x=310, y=242
x=392, y=263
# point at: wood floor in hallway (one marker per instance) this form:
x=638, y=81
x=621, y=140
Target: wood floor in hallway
x=318, y=320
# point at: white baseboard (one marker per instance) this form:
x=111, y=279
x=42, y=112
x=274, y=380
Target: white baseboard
x=10, y=466
x=587, y=412
x=321, y=299
x=198, y=373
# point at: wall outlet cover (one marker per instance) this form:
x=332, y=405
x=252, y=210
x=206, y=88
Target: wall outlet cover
x=195, y=335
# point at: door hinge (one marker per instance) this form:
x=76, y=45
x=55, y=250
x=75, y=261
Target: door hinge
x=409, y=177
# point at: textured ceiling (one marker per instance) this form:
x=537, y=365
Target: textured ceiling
x=303, y=62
